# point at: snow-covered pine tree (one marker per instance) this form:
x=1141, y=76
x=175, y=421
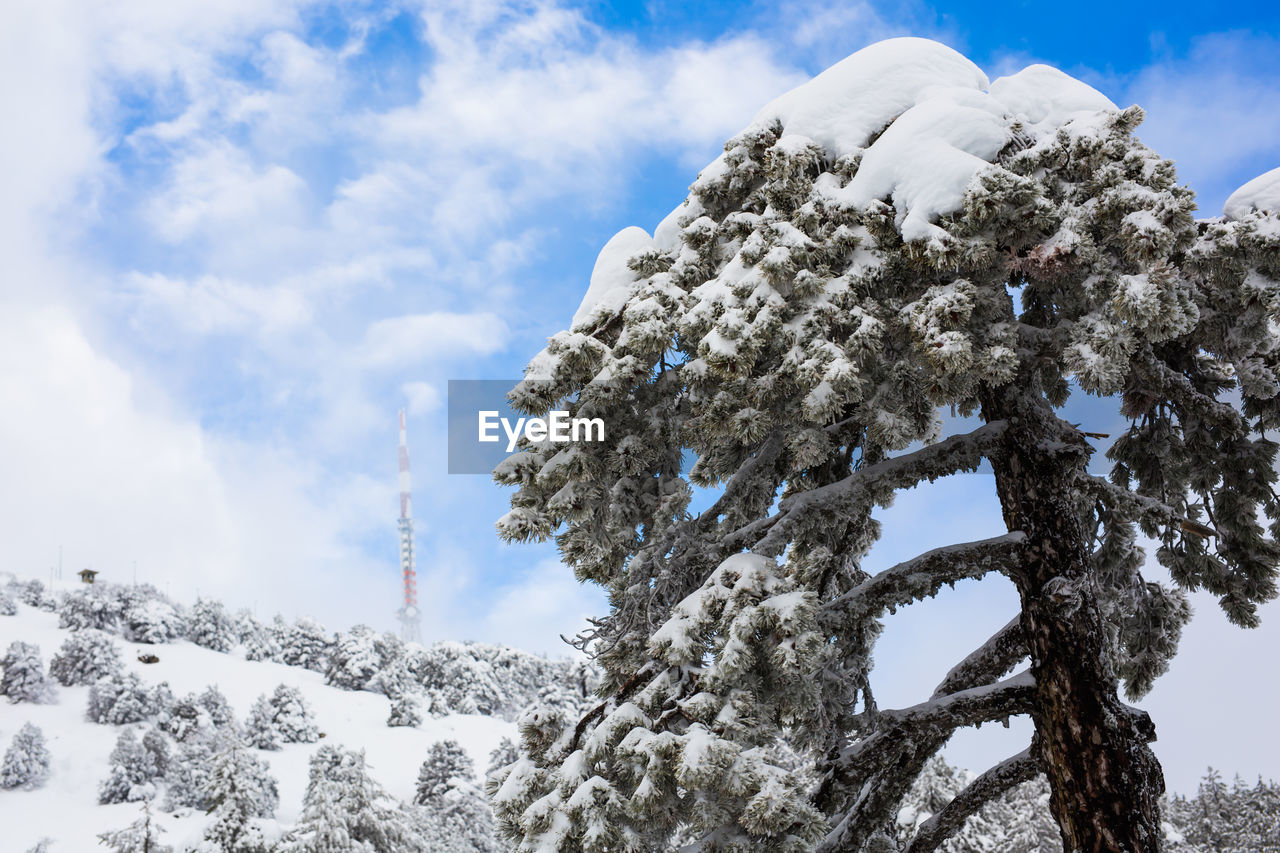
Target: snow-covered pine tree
x=95, y=606
x=209, y=625
x=34, y=594
x=503, y=755
x=85, y=656
x=219, y=709
x=239, y=791
x=188, y=775
x=258, y=640
x=455, y=815
x=895, y=239
x=141, y=836
x=1222, y=818
x=446, y=766
x=354, y=659
x=284, y=717
x=345, y=810
x=23, y=678
x=8, y=607
x=406, y=710
x=153, y=620
x=26, y=761
x=185, y=719
x=306, y=644
x=132, y=771
x=121, y=698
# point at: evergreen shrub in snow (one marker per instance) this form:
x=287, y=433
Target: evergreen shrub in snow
x=132, y=771
x=8, y=607
x=345, y=809
x=259, y=640
x=23, y=678
x=209, y=625
x=306, y=644
x=122, y=698
x=26, y=761
x=85, y=657
x=284, y=717
x=239, y=791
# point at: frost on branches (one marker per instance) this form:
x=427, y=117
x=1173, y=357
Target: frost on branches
x=895, y=239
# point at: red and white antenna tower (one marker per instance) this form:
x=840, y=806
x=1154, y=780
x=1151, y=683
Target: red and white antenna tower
x=408, y=612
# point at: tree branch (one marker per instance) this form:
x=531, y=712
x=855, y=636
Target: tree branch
x=991, y=784
x=924, y=575
x=1157, y=512
x=991, y=661
x=873, y=484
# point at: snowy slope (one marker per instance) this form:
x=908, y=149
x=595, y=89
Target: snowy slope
x=66, y=808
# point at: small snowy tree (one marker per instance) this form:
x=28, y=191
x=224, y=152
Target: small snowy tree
x=354, y=659
x=284, y=717
x=259, y=640
x=346, y=810
x=132, y=771
x=26, y=761
x=186, y=783
x=141, y=836
x=897, y=241
x=239, y=790
x=8, y=607
x=85, y=657
x=23, y=679
x=95, y=606
x=122, y=698
x=185, y=718
x=33, y=593
x=446, y=767
x=306, y=644
x=504, y=754
x=406, y=710
x=219, y=709
x=210, y=626
x=152, y=620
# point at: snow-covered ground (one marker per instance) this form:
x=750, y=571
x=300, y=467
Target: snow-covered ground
x=66, y=808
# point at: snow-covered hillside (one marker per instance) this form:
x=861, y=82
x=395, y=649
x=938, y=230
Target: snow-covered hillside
x=66, y=807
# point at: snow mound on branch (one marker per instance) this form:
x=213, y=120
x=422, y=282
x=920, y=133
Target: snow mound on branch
x=1261, y=194
x=843, y=106
x=927, y=157
x=612, y=281
x=1044, y=98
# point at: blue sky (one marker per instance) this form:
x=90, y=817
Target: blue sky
x=240, y=235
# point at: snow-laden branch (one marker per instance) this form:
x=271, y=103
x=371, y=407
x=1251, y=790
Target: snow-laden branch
x=987, y=663
x=1143, y=507
x=991, y=784
x=908, y=738
x=922, y=576
x=970, y=707
x=872, y=484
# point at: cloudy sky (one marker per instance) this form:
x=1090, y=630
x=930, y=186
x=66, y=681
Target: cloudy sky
x=239, y=235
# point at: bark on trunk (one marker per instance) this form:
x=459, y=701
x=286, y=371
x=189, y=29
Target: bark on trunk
x=1106, y=783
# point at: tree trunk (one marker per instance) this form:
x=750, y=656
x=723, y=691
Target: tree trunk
x=1106, y=783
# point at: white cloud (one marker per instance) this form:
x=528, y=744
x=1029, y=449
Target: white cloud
x=544, y=604
x=422, y=397
x=405, y=341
